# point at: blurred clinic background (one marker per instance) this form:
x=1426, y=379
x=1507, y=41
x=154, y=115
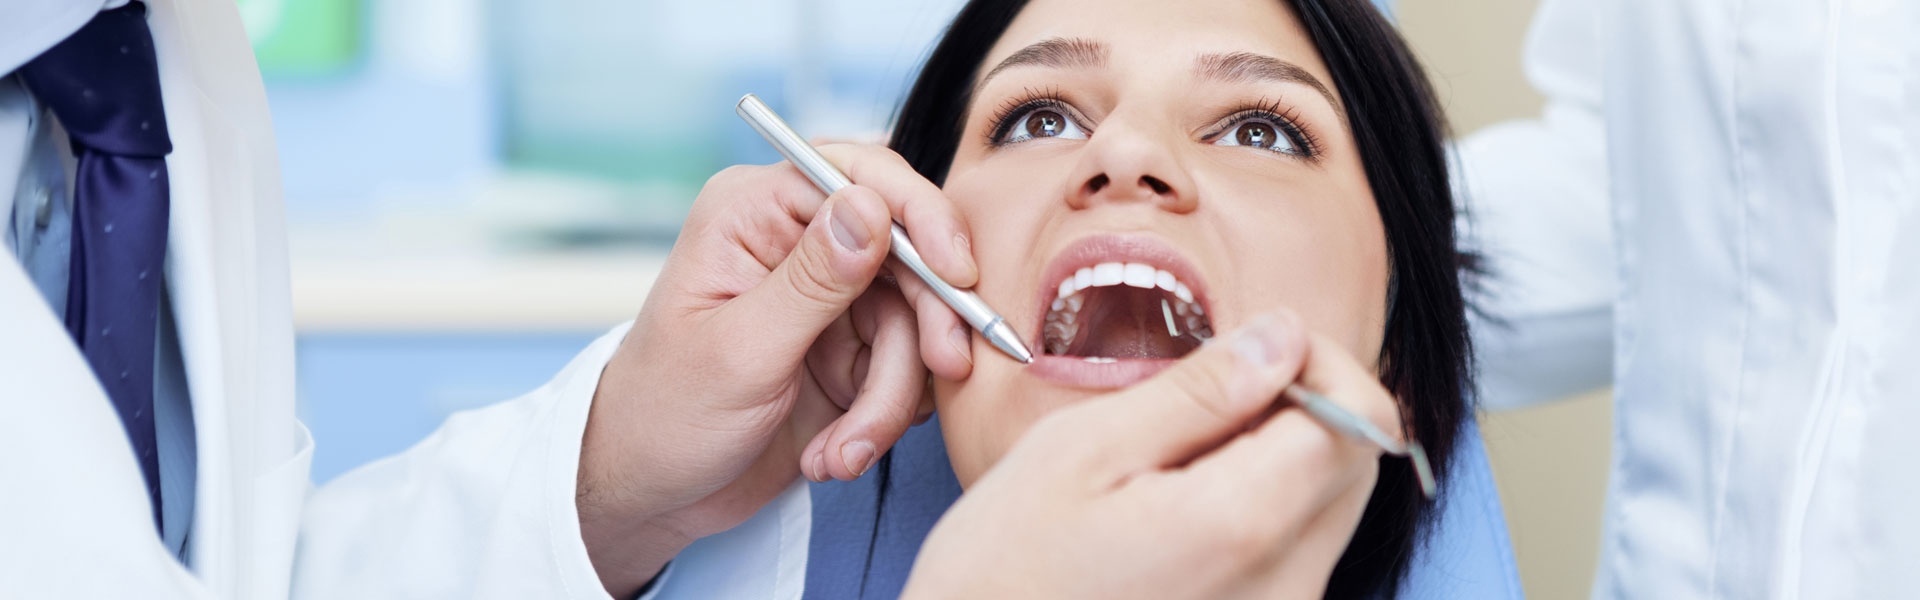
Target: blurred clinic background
x=477, y=188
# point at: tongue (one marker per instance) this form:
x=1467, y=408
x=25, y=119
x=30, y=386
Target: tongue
x=1126, y=322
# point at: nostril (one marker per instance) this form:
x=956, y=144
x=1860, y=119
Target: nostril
x=1097, y=183
x=1159, y=187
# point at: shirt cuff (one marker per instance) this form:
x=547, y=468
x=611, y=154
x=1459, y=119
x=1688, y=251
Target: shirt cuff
x=651, y=591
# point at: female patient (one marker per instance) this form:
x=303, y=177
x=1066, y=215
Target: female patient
x=1253, y=153
x=1135, y=176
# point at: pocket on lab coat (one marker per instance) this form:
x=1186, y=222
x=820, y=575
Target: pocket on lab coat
x=280, y=492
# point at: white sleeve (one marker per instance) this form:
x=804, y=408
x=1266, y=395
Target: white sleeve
x=1535, y=205
x=483, y=508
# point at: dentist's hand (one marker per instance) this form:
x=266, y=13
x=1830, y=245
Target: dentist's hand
x=1174, y=488
x=763, y=353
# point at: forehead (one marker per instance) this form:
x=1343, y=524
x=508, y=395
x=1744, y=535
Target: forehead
x=1150, y=36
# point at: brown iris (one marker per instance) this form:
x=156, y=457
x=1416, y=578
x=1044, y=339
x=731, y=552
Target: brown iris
x=1045, y=123
x=1258, y=135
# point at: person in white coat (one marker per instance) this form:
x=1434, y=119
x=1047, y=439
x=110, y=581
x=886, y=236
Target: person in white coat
x=1719, y=212
x=198, y=487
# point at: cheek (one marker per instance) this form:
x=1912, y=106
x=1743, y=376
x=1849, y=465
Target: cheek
x=1317, y=248
x=981, y=417
x=1003, y=193
x=1001, y=210
x=1356, y=314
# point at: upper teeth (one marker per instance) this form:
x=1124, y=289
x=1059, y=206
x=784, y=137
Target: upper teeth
x=1133, y=274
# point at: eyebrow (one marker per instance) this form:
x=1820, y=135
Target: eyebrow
x=1247, y=67
x=1059, y=53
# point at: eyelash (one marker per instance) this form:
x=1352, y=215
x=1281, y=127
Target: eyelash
x=1285, y=117
x=1028, y=101
x=1271, y=110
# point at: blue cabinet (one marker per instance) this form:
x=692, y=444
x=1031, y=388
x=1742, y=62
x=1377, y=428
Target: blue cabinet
x=369, y=395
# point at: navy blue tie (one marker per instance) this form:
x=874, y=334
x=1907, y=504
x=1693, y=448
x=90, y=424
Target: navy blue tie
x=103, y=84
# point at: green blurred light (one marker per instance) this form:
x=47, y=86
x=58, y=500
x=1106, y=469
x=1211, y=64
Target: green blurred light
x=304, y=38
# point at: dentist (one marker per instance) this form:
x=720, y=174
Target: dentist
x=148, y=441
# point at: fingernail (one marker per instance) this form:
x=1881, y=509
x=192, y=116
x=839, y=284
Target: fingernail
x=962, y=341
x=964, y=247
x=1261, y=342
x=858, y=456
x=848, y=231
x=819, y=467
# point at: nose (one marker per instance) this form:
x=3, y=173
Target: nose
x=1123, y=164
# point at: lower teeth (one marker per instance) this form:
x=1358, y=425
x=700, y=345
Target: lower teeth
x=1063, y=324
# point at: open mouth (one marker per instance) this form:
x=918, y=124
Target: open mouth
x=1118, y=309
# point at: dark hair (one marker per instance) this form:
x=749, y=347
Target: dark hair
x=1425, y=357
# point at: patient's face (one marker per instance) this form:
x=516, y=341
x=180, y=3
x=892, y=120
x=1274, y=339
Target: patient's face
x=1149, y=169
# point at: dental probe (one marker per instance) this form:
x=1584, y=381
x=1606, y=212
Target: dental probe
x=1345, y=423
x=1355, y=427
x=829, y=178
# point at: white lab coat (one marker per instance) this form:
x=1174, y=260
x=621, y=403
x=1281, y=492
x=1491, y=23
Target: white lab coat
x=1723, y=200
x=484, y=508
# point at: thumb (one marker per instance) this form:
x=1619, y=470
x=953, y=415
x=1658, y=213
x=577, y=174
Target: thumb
x=1217, y=391
x=814, y=284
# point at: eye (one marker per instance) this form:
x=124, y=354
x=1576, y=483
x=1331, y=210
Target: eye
x=1264, y=132
x=1041, y=122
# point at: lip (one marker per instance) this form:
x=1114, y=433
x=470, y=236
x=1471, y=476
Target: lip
x=1075, y=371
